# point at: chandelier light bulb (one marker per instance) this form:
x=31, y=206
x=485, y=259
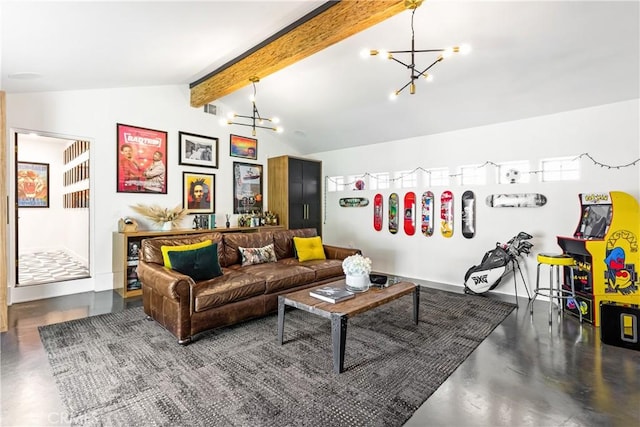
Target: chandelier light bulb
x=448, y=52
x=275, y=120
x=279, y=129
x=394, y=95
x=428, y=77
x=464, y=49
x=223, y=122
x=373, y=52
x=384, y=54
x=365, y=53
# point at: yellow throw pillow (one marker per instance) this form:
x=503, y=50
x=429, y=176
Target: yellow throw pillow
x=309, y=248
x=166, y=249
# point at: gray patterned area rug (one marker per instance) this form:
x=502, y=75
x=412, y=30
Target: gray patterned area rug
x=122, y=370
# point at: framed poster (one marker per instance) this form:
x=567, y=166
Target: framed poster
x=198, y=193
x=247, y=188
x=32, y=185
x=244, y=147
x=198, y=150
x=142, y=160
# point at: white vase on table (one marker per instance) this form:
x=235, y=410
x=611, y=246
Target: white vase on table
x=357, y=283
x=167, y=226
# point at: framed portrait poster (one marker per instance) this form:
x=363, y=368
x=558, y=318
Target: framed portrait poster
x=32, y=185
x=142, y=160
x=247, y=188
x=244, y=147
x=198, y=193
x=198, y=150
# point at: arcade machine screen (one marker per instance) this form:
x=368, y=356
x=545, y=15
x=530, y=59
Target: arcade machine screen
x=595, y=221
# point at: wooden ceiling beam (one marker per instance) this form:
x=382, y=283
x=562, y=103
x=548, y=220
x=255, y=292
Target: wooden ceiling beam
x=330, y=23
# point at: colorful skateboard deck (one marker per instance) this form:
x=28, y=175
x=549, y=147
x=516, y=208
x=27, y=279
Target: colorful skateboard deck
x=377, y=212
x=519, y=200
x=427, y=213
x=410, y=213
x=393, y=213
x=353, y=202
x=446, y=214
x=468, y=214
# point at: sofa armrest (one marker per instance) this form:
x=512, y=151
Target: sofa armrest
x=337, y=252
x=166, y=282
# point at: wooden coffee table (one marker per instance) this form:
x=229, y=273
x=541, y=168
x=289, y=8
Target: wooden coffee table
x=340, y=312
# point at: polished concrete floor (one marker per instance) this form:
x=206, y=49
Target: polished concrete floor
x=525, y=373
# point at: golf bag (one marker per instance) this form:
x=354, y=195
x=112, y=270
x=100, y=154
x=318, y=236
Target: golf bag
x=497, y=264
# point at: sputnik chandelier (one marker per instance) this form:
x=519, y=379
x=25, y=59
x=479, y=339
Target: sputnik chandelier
x=415, y=73
x=255, y=120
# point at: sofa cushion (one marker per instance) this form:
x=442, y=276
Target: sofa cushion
x=166, y=250
x=308, y=248
x=283, y=240
x=278, y=277
x=233, y=241
x=232, y=286
x=323, y=269
x=262, y=255
x=199, y=264
x=150, y=250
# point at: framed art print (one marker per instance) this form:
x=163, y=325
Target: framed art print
x=198, y=150
x=244, y=147
x=247, y=188
x=198, y=193
x=32, y=185
x=142, y=160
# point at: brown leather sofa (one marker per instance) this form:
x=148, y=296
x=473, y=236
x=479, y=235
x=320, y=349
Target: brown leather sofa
x=186, y=307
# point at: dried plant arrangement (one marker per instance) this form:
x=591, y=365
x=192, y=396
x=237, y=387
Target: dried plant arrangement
x=160, y=215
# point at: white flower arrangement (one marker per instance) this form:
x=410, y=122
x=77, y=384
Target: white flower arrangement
x=356, y=265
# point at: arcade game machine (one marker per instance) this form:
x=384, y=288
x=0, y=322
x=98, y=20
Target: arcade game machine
x=605, y=248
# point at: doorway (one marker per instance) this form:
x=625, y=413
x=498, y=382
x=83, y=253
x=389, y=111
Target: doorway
x=51, y=193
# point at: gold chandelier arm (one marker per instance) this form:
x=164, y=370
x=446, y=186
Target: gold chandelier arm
x=421, y=73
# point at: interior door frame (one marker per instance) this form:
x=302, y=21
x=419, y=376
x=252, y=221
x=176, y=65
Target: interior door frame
x=13, y=220
x=4, y=216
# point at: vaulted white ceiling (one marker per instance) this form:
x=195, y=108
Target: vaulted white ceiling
x=529, y=58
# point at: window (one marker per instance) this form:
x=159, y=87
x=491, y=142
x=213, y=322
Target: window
x=406, y=179
x=335, y=183
x=379, y=181
x=514, y=172
x=560, y=169
x=473, y=175
x=439, y=176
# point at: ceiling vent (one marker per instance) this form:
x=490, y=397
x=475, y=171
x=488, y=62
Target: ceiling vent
x=211, y=109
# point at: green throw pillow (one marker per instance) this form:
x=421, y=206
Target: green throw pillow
x=199, y=264
x=166, y=249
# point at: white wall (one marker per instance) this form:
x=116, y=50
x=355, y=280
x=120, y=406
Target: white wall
x=609, y=133
x=93, y=114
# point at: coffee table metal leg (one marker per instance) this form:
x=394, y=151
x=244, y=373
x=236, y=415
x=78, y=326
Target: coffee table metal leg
x=280, y=319
x=338, y=340
x=416, y=304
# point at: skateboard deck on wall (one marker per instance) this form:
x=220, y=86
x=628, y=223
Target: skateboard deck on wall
x=377, y=212
x=353, y=202
x=468, y=214
x=518, y=200
x=427, y=213
x=410, y=213
x=393, y=213
x=446, y=214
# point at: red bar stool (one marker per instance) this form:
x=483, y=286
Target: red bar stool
x=555, y=289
